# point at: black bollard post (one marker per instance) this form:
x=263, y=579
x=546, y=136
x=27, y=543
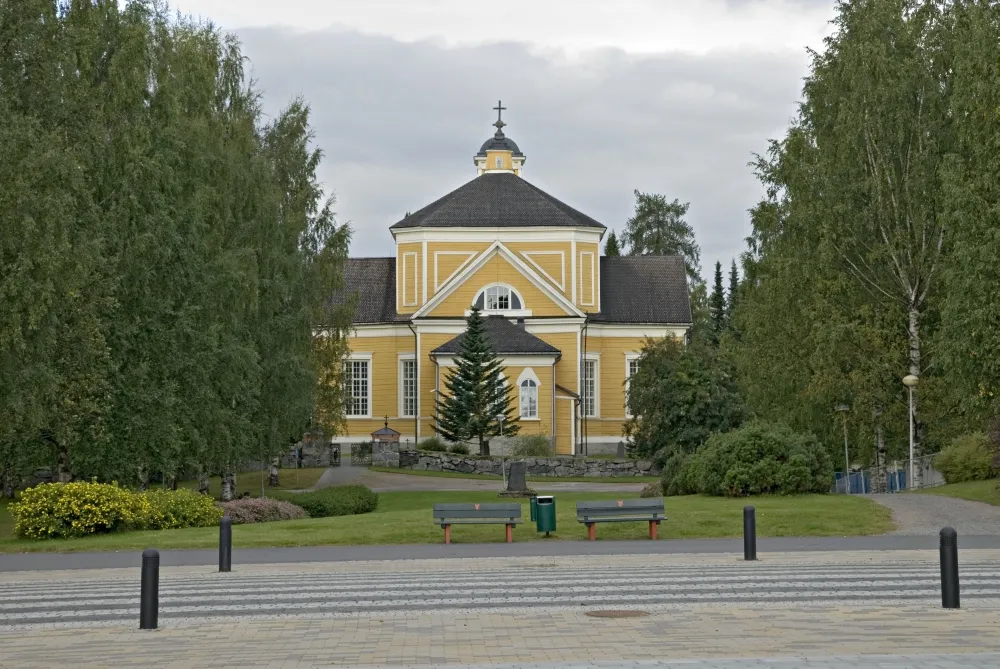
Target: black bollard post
x=949, y=568
x=749, y=534
x=149, y=593
x=226, y=544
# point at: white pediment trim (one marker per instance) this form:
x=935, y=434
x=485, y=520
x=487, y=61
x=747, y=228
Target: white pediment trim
x=497, y=248
x=561, y=282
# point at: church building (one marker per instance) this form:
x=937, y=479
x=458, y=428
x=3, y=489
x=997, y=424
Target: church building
x=568, y=323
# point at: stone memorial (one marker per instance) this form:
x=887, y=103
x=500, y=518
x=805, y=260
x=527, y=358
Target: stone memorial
x=517, y=481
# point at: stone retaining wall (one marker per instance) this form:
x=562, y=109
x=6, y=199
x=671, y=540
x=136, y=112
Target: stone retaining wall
x=558, y=466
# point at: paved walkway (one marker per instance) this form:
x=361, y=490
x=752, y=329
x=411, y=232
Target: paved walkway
x=386, y=482
x=789, y=611
x=917, y=514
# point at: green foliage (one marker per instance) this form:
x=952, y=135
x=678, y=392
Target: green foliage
x=658, y=228
x=654, y=489
x=433, y=444
x=532, y=445
x=758, y=459
x=344, y=500
x=970, y=457
x=459, y=449
x=733, y=296
x=717, y=304
x=611, y=248
x=474, y=395
x=677, y=478
x=170, y=509
x=679, y=396
x=58, y=510
x=164, y=255
x=260, y=510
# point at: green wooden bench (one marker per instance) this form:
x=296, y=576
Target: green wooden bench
x=621, y=511
x=504, y=513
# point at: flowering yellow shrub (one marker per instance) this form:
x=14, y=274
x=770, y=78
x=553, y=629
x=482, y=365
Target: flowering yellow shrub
x=56, y=510
x=53, y=510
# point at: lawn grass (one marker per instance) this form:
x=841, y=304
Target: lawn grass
x=977, y=491
x=537, y=480
x=405, y=518
x=289, y=479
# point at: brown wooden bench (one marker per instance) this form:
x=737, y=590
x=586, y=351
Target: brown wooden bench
x=621, y=511
x=505, y=513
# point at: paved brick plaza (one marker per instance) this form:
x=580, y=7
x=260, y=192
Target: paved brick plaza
x=726, y=632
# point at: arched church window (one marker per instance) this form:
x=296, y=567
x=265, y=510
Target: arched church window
x=498, y=298
x=529, y=399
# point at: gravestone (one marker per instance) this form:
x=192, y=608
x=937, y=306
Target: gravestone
x=517, y=482
x=621, y=450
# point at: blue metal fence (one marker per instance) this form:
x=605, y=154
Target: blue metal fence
x=861, y=482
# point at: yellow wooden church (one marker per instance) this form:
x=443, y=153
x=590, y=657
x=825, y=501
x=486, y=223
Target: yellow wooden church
x=568, y=323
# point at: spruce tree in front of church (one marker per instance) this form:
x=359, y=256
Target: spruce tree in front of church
x=474, y=392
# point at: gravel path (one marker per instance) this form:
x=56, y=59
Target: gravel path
x=917, y=514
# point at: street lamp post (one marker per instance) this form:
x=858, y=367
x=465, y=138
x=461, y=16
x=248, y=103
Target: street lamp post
x=503, y=459
x=910, y=381
x=843, y=409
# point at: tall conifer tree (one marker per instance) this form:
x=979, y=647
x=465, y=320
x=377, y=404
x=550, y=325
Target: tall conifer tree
x=475, y=393
x=611, y=248
x=717, y=304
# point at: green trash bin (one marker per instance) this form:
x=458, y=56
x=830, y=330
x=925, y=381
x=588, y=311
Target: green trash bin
x=545, y=513
x=534, y=509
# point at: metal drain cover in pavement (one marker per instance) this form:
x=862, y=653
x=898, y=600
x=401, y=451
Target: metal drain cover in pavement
x=616, y=614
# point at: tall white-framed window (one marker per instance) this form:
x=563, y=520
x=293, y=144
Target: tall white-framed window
x=407, y=385
x=358, y=382
x=589, y=380
x=499, y=297
x=527, y=385
x=499, y=162
x=631, y=367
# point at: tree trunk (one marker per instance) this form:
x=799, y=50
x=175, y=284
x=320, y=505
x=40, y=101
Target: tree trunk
x=272, y=476
x=202, y=481
x=228, y=485
x=63, y=474
x=171, y=482
x=143, y=478
x=484, y=447
x=914, y=334
x=881, y=480
x=7, y=483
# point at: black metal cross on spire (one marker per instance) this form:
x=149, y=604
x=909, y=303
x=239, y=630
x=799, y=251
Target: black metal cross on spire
x=500, y=109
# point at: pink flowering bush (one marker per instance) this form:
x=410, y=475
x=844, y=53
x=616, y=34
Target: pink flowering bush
x=260, y=510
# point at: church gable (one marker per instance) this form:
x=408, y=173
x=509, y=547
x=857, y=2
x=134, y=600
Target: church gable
x=500, y=281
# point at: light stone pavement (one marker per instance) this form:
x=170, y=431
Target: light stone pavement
x=787, y=611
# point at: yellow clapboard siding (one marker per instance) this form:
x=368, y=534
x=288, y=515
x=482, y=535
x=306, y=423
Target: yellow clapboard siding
x=384, y=371
x=566, y=370
x=588, y=289
x=409, y=277
x=550, y=259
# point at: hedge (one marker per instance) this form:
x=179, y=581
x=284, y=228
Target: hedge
x=346, y=500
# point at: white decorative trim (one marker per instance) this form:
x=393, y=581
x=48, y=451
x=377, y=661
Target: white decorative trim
x=519, y=313
x=417, y=435
x=593, y=280
x=423, y=266
x=596, y=359
x=496, y=248
x=362, y=331
x=561, y=283
x=572, y=272
x=470, y=256
x=406, y=276
x=504, y=234
x=522, y=360
x=638, y=331
x=528, y=374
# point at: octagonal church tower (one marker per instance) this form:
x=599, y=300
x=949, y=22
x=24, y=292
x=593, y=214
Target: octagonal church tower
x=568, y=323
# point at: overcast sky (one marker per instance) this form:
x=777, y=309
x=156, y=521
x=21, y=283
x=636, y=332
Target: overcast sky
x=602, y=96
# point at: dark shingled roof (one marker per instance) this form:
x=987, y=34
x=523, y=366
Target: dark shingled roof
x=505, y=337
x=502, y=200
x=500, y=142
x=643, y=289
x=373, y=280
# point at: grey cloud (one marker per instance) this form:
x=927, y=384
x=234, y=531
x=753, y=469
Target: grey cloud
x=400, y=122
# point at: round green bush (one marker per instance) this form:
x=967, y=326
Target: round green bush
x=459, y=449
x=532, y=446
x=967, y=458
x=172, y=509
x=433, y=445
x=759, y=459
x=345, y=500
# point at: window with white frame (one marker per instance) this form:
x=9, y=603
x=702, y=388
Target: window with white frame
x=588, y=380
x=631, y=367
x=408, y=387
x=529, y=399
x=498, y=298
x=358, y=377
x=499, y=162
